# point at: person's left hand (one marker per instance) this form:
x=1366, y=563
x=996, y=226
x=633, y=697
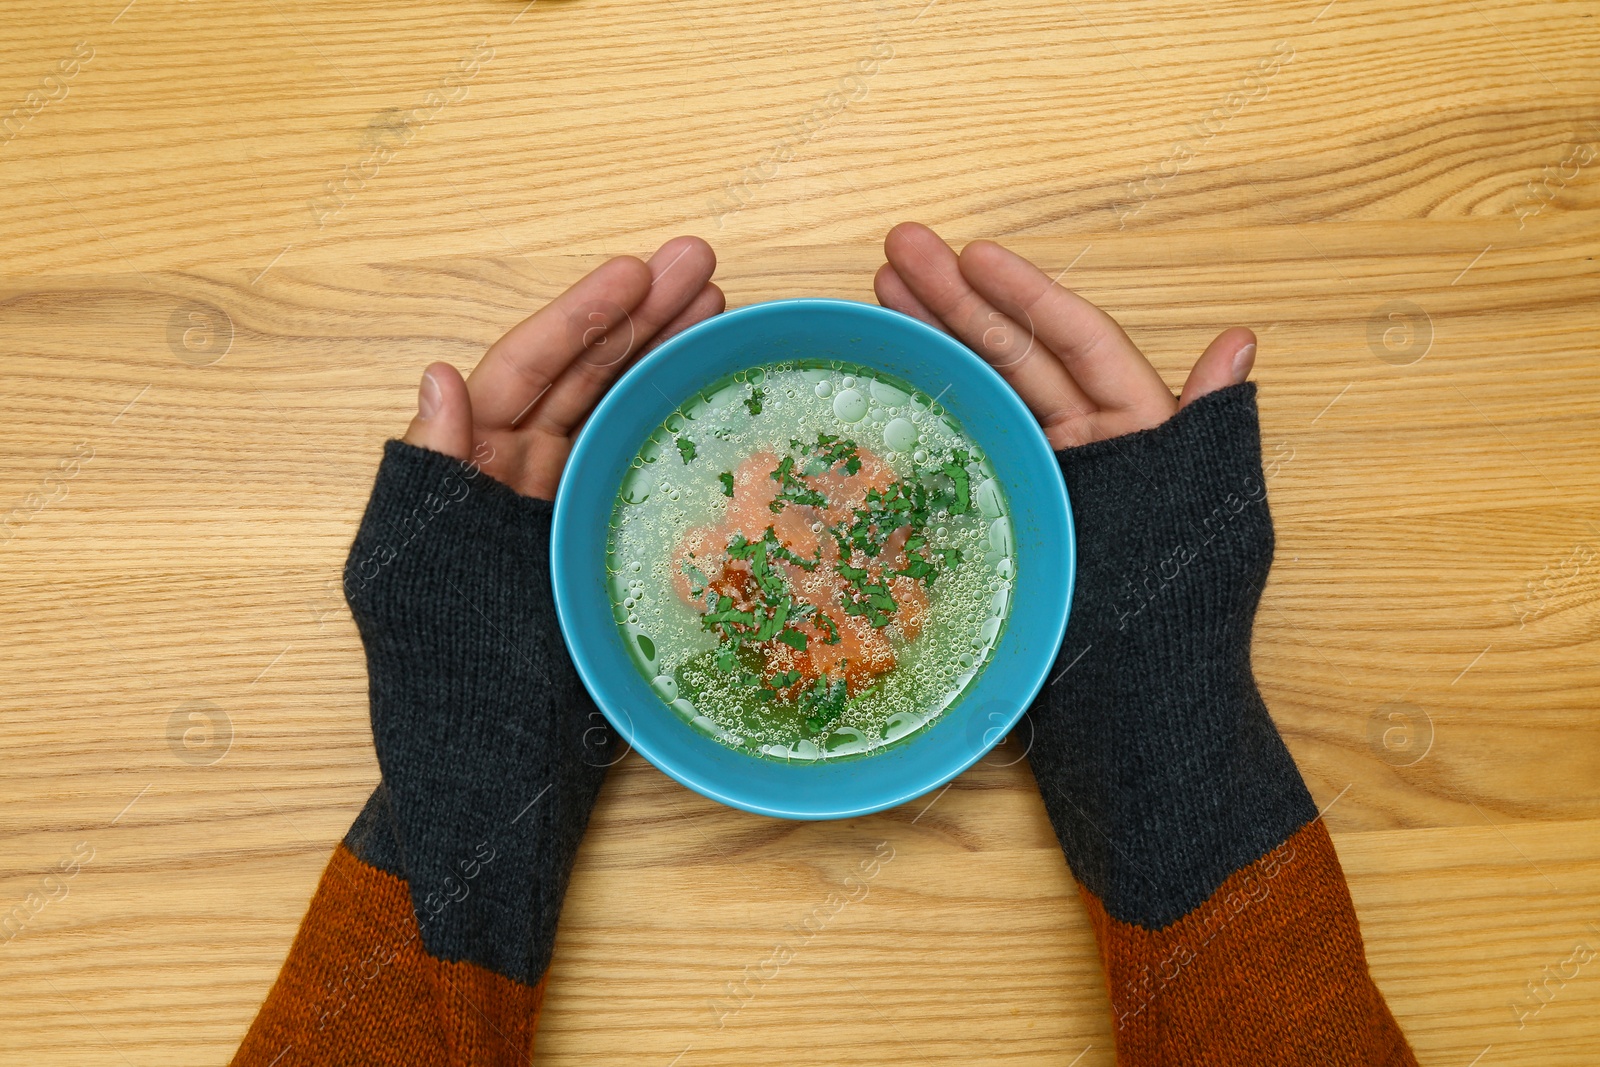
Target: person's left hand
x=517, y=414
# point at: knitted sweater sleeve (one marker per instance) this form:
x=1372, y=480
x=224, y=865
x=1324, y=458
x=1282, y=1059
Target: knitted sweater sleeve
x=429, y=937
x=1223, y=919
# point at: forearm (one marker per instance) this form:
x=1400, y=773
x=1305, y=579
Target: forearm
x=430, y=935
x=1223, y=917
x=358, y=986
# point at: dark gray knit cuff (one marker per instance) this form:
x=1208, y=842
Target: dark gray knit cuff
x=491, y=750
x=1158, y=763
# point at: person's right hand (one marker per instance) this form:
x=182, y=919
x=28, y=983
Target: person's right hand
x=1074, y=367
x=1175, y=799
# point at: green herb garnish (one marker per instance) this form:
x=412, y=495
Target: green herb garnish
x=824, y=703
x=697, y=578
x=778, y=550
x=904, y=503
x=959, y=499
x=791, y=490
x=686, y=448
x=830, y=451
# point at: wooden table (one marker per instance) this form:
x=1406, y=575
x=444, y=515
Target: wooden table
x=233, y=235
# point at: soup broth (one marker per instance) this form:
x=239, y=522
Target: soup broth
x=810, y=560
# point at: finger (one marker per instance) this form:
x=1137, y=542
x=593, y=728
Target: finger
x=932, y=274
x=679, y=271
x=444, y=413
x=892, y=293
x=1226, y=361
x=708, y=303
x=522, y=365
x=1105, y=364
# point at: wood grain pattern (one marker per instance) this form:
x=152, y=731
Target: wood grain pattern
x=183, y=304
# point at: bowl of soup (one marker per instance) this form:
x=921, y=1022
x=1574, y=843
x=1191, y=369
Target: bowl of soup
x=812, y=558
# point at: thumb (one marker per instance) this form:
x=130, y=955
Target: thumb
x=444, y=413
x=1226, y=361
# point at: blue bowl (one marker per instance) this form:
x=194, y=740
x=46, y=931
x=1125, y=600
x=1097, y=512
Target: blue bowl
x=992, y=415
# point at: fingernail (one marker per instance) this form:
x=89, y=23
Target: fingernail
x=1243, y=360
x=428, y=397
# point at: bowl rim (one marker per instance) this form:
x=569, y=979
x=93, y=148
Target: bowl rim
x=943, y=773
